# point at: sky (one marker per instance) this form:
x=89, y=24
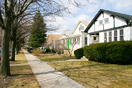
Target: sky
x=87, y=13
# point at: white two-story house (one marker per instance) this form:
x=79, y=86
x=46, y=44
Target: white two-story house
x=108, y=26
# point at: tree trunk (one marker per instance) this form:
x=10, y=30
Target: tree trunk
x=5, y=65
x=18, y=48
x=13, y=45
x=13, y=50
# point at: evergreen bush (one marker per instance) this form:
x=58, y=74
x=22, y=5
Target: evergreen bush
x=79, y=53
x=112, y=52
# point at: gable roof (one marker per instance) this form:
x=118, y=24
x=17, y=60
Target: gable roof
x=128, y=18
x=83, y=22
x=52, y=37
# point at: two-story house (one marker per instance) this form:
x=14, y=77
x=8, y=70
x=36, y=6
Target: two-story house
x=108, y=26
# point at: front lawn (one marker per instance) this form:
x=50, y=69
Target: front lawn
x=93, y=74
x=20, y=58
x=21, y=76
x=52, y=57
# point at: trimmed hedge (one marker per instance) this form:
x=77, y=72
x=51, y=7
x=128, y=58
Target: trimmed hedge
x=79, y=53
x=113, y=52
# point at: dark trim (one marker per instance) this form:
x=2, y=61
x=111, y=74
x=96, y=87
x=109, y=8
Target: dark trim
x=109, y=29
x=113, y=21
x=103, y=14
x=120, y=15
x=94, y=26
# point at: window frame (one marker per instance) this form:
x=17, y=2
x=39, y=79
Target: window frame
x=105, y=37
x=86, y=41
x=115, y=35
x=81, y=27
x=100, y=22
x=78, y=40
x=106, y=20
x=121, y=35
x=110, y=36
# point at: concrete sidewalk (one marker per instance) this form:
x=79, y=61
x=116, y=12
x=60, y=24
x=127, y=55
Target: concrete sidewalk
x=47, y=76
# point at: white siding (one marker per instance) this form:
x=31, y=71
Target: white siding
x=110, y=24
x=101, y=37
x=77, y=29
x=119, y=22
x=130, y=33
x=126, y=33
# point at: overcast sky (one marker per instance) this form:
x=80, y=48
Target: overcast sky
x=87, y=12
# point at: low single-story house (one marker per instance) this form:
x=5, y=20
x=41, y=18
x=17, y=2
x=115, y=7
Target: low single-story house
x=50, y=40
x=108, y=26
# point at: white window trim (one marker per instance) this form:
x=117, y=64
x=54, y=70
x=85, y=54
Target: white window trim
x=121, y=35
x=105, y=20
x=116, y=35
x=110, y=36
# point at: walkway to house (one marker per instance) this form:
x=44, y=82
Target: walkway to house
x=47, y=76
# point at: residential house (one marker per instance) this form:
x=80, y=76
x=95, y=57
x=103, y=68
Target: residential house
x=108, y=26
x=50, y=40
x=75, y=40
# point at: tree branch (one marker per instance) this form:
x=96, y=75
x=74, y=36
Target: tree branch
x=1, y=20
x=22, y=10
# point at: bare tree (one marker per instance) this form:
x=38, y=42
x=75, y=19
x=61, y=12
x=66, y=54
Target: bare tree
x=62, y=44
x=7, y=17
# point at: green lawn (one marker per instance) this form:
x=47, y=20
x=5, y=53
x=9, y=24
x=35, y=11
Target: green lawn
x=21, y=76
x=93, y=74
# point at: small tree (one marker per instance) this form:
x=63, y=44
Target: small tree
x=37, y=35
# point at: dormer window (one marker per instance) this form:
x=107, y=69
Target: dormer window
x=100, y=22
x=81, y=28
x=106, y=20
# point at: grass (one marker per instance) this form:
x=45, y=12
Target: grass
x=19, y=59
x=93, y=74
x=21, y=76
x=52, y=57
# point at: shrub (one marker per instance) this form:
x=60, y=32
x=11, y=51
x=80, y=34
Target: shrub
x=79, y=53
x=47, y=50
x=113, y=52
x=36, y=52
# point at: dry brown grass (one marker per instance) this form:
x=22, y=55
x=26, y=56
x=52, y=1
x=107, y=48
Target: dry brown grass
x=20, y=58
x=21, y=76
x=52, y=57
x=94, y=74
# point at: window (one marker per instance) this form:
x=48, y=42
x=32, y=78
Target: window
x=78, y=40
x=115, y=35
x=74, y=40
x=110, y=36
x=85, y=41
x=121, y=35
x=105, y=37
x=106, y=20
x=70, y=41
x=100, y=22
x=95, y=38
x=81, y=27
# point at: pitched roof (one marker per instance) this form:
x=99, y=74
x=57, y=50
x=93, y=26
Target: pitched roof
x=83, y=22
x=52, y=37
x=128, y=18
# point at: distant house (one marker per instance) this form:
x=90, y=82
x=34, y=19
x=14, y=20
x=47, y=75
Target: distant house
x=76, y=39
x=108, y=26
x=50, y=40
